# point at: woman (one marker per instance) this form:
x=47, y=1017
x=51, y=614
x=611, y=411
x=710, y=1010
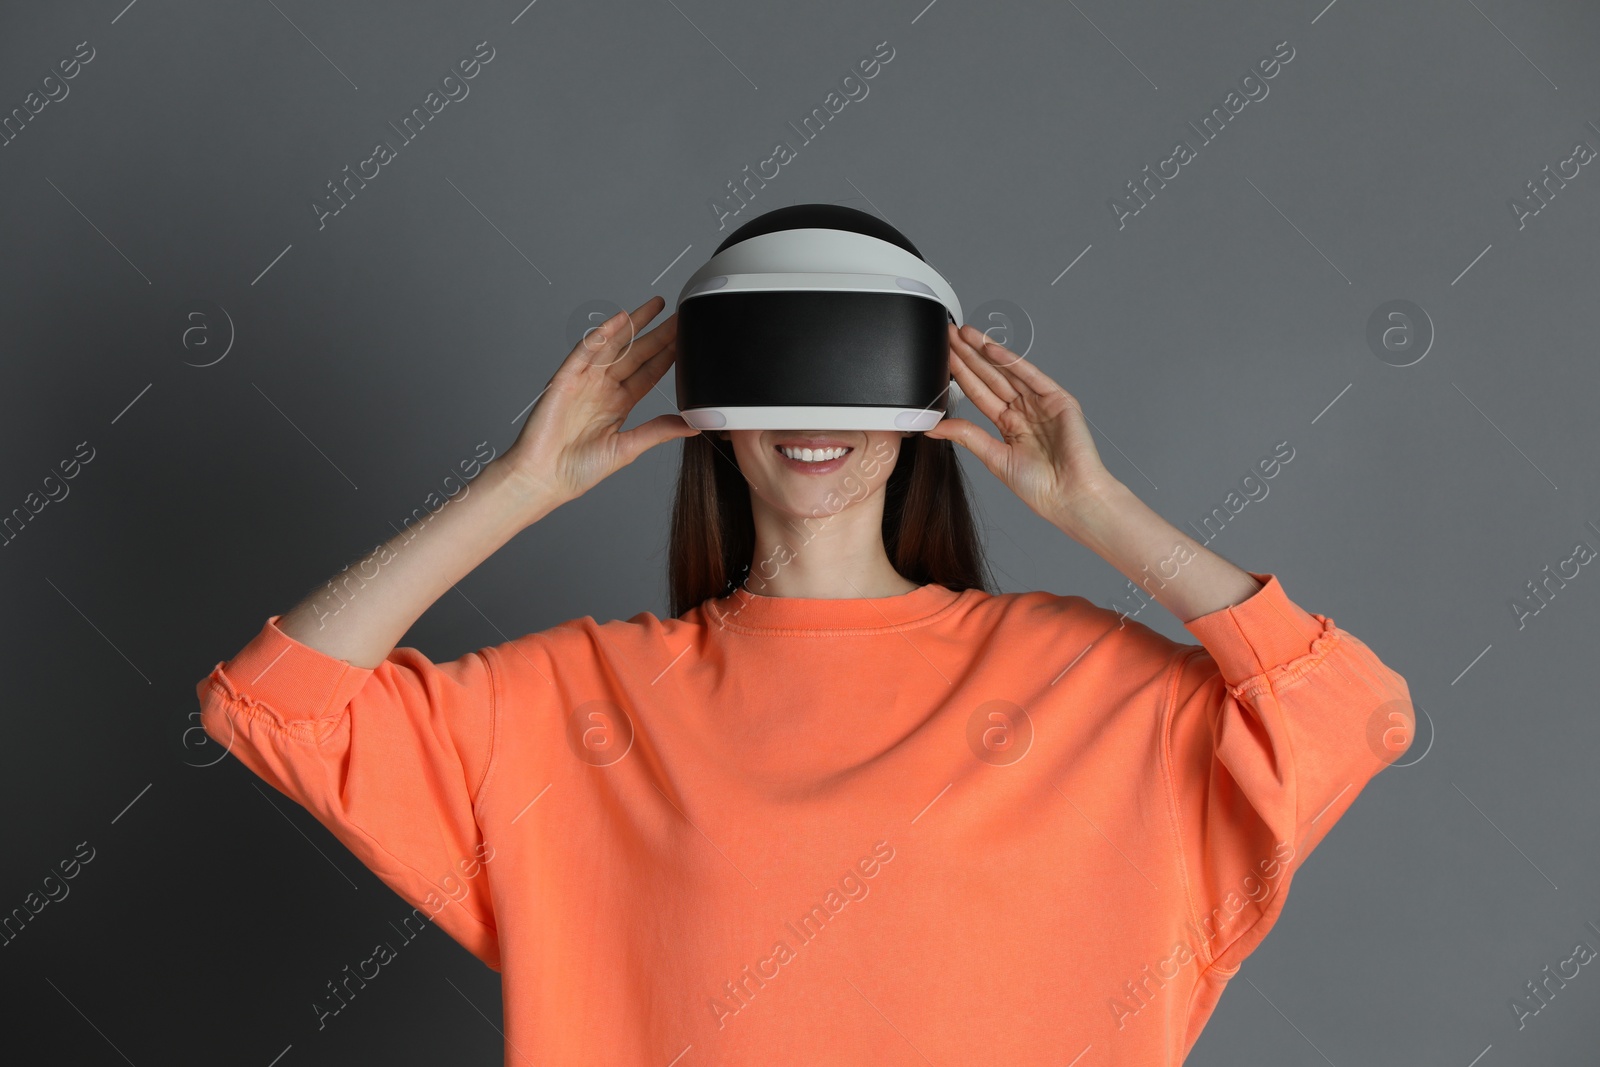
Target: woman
x=846, y=806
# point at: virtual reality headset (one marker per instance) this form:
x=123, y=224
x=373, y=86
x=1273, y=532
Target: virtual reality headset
x=820, y=317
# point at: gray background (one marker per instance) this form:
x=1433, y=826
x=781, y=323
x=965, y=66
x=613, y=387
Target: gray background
x=1227, y=316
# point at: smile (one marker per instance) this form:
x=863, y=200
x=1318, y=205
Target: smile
x=812, y=455
x=813, y=460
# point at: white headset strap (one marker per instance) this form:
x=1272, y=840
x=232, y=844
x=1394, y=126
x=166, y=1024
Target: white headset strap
x=812, y=259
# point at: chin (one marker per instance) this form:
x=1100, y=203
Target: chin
x=816, y=501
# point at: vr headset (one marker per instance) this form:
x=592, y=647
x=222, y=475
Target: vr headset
x=819, y=317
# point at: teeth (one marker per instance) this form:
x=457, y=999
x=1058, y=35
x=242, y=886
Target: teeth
x=812, y=455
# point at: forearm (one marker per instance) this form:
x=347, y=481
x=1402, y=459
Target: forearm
x=1181, y=574
x=363, y=611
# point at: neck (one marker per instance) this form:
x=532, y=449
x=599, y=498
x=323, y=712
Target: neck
x=834, y=557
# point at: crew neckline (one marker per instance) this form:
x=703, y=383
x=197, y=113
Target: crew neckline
x=750, y=612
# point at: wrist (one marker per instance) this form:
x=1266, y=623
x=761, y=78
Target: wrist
x=528, y=497
x=1091, y=509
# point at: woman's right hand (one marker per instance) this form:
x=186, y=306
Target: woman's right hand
x=571, y=439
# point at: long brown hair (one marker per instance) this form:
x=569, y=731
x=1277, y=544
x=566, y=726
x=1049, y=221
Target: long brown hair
x=928, y=528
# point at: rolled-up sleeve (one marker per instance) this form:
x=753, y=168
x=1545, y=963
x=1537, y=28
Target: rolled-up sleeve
x=1275, y=723
x=389, y=758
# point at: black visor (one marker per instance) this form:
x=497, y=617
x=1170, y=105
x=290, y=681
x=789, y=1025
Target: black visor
x=815, y=317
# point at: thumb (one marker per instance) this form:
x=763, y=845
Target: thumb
x=631, y=444
x=970, y=436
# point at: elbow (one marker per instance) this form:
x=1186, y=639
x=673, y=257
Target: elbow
x=212, y=736
x=1391, y=726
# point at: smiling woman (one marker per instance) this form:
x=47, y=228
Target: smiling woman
x=736, y=753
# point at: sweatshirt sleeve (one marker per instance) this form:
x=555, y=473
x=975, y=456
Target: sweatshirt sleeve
x=388, y=758
x=1275, y=724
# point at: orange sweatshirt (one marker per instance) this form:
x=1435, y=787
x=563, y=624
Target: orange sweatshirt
x=929, y=828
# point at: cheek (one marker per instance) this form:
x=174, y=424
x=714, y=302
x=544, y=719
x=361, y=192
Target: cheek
x=882, y=452
x=738, y=453
x=767, y=479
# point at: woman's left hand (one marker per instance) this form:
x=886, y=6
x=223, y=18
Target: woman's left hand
x=1046, y=454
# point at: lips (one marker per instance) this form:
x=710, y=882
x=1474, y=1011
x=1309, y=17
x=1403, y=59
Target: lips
x=802, y=445
x=816, y=453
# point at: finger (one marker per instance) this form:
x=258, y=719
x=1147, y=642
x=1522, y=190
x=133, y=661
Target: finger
x=648, y=373
x=971, y=344
x=989, y=450
x=1025, y=376
x=976, y=390
x=982, y=338
x=596, y=345
x=984, y=368
x=642, y=348
x=604, y=345
x=1022, y=375
x=631, y=444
